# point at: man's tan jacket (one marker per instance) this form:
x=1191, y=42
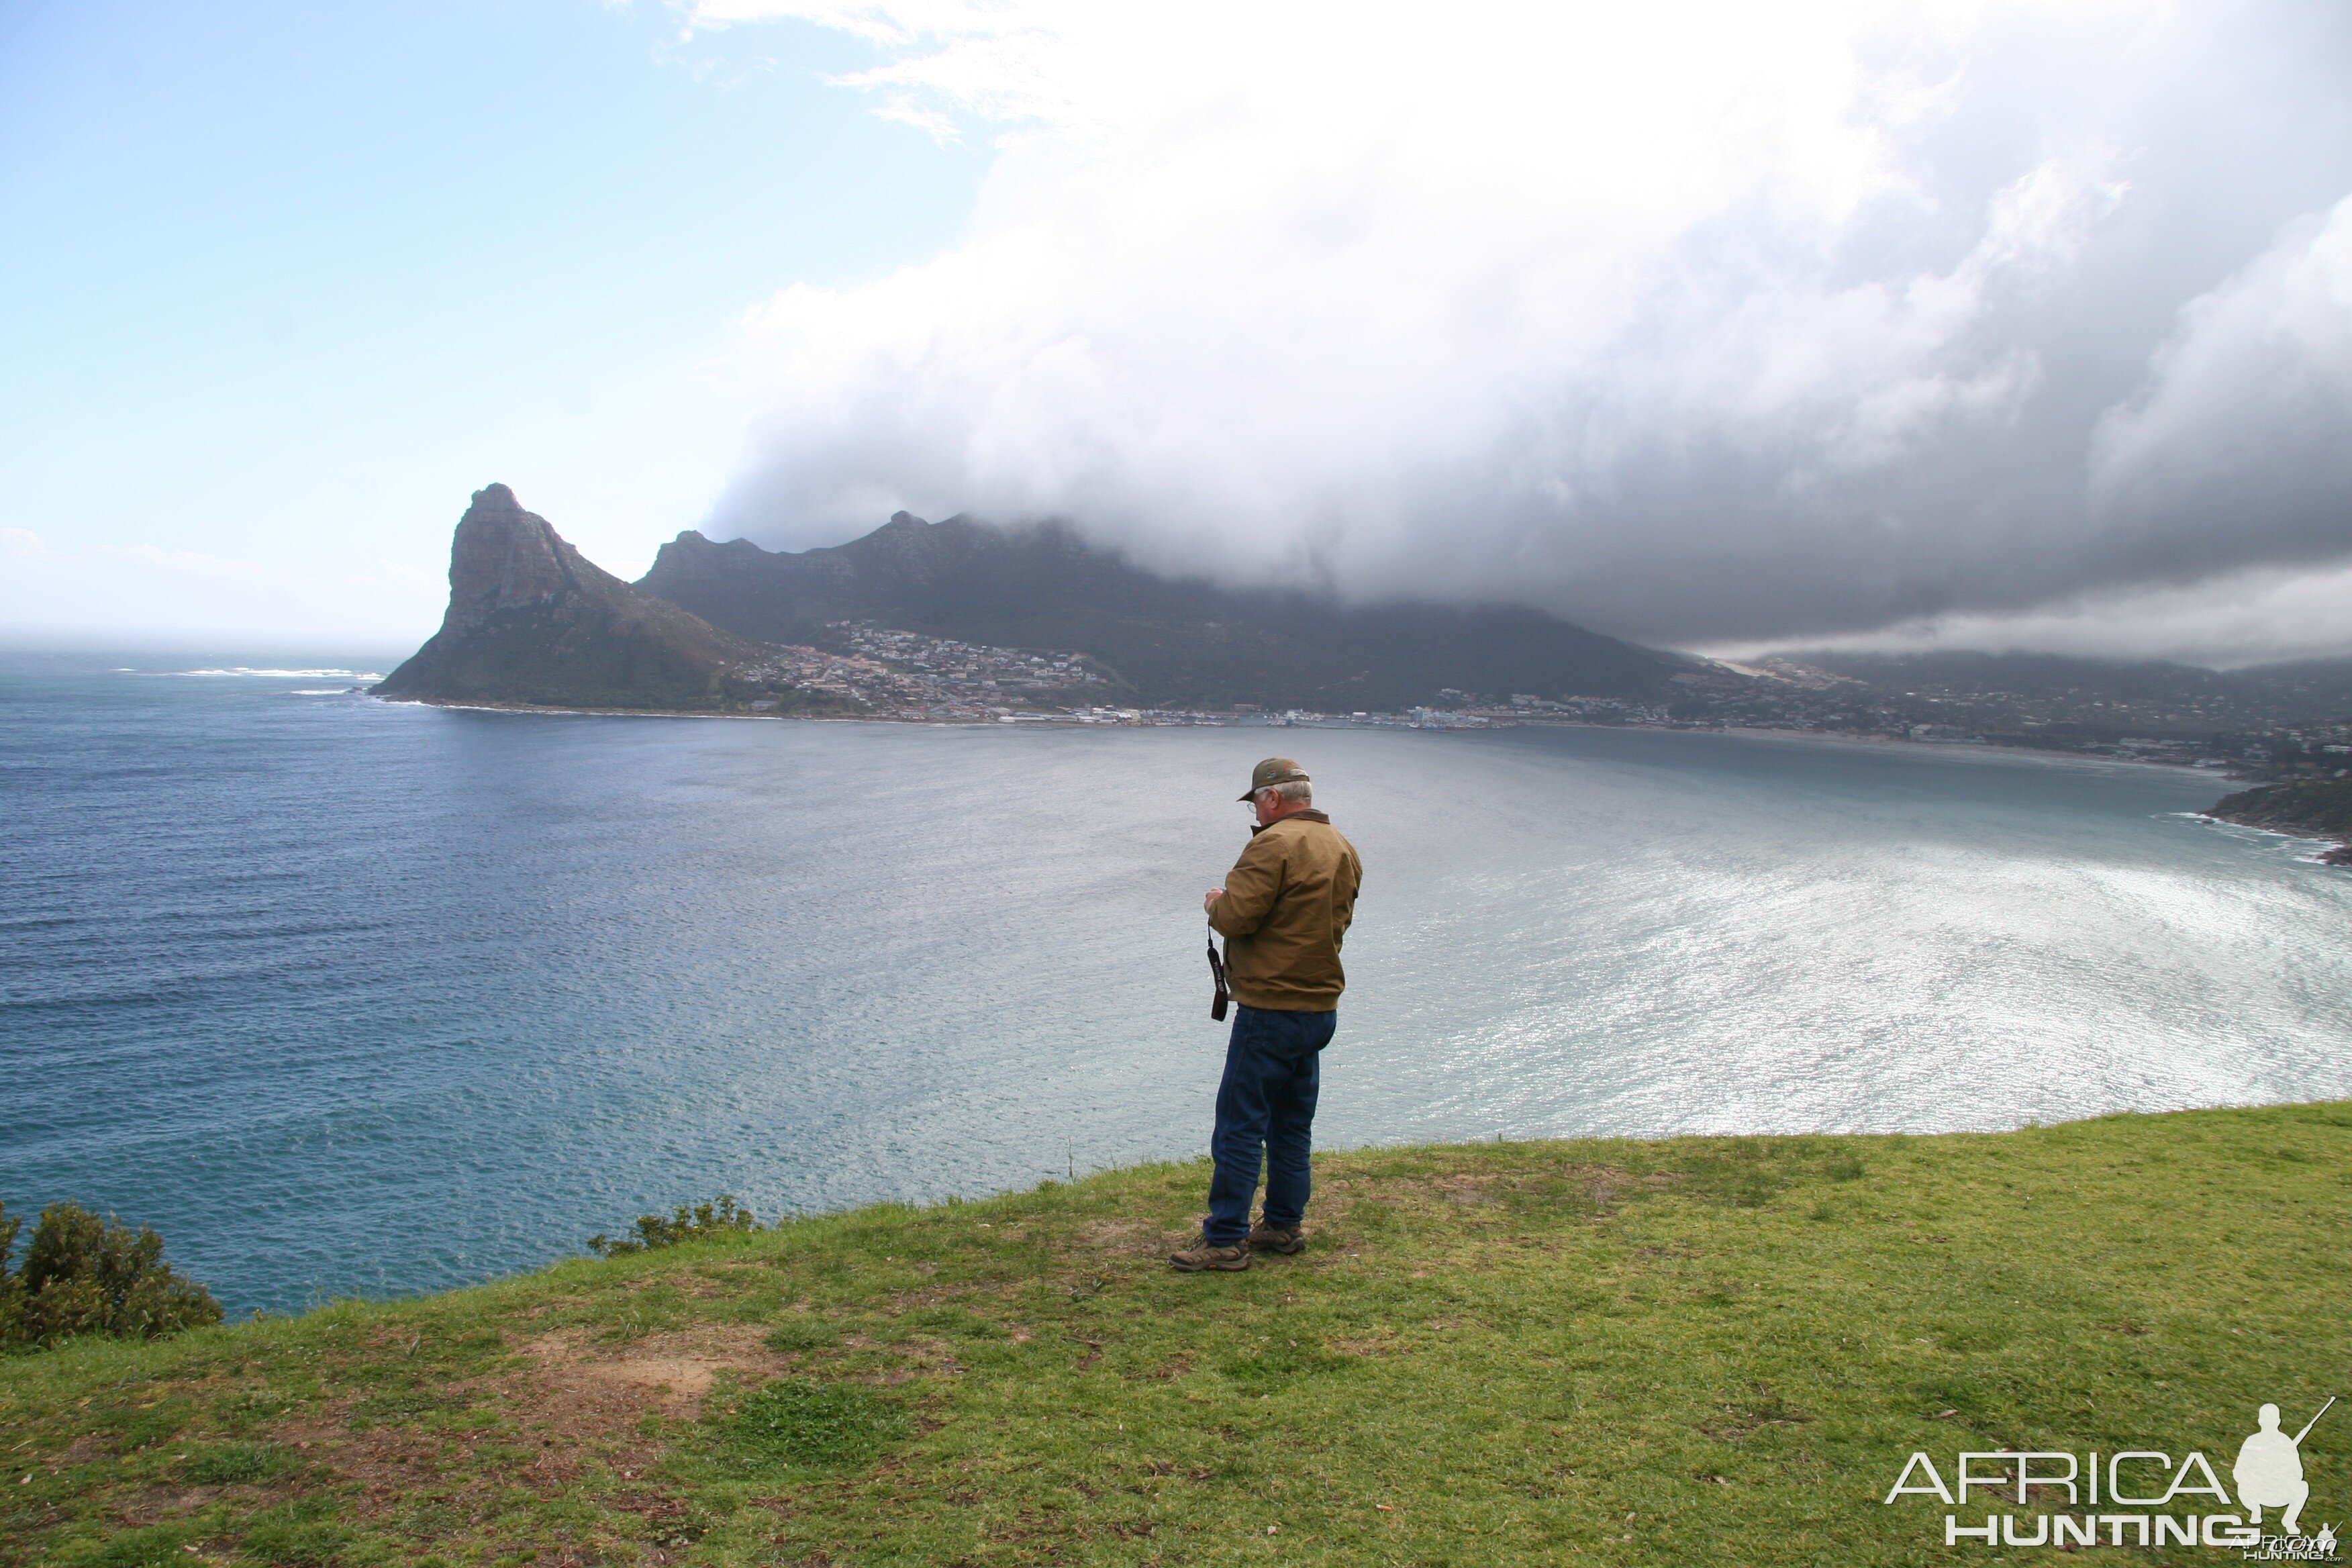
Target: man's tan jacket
x=1287, y=903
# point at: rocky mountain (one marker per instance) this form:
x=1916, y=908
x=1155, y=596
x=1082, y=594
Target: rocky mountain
x=532, y=622
x=1165, y=642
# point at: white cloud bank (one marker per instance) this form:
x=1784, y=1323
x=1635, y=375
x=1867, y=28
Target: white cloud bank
x=2260, y=617
x=1697, y=323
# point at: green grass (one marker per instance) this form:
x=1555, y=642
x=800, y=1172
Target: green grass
x=1697, y=1351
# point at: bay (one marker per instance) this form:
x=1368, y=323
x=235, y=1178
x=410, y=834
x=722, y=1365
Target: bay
x=348, y=998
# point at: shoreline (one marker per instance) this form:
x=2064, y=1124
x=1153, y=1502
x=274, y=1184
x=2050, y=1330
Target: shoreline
x=2331, y=845
x=1324, y=722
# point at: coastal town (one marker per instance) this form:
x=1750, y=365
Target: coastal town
x=892, y=674
x=885, y=673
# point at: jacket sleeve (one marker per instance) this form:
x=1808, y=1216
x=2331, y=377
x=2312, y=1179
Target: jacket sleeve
x=1250, y=887
x=1343, y=912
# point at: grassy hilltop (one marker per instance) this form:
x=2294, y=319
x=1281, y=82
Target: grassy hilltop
x=1693, y=1351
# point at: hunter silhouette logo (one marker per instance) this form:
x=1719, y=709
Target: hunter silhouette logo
x=2269, y=1474
x=2269, y=1471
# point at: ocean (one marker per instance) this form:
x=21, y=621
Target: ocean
x=349, y=997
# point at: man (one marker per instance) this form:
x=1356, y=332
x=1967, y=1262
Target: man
x=1282, y=911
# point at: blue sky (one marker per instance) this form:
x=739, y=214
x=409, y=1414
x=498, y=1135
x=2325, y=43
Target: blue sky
x=281, y=284
x=1989, y=324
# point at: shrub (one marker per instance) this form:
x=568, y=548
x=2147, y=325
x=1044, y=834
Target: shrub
x=84, y=1275
x=12, y=1288
x=724, y=1217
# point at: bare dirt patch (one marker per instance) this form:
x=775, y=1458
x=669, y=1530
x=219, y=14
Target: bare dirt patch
x=1140, y=1237
x=1466, y=1189
x=1605, y=1186
x=1596, y=1190
x=577, y=1410
x=672, y=1371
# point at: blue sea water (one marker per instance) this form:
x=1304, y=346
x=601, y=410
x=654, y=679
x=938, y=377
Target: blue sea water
x=346, y=996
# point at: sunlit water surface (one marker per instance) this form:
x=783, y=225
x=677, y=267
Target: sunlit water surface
x=346, y=996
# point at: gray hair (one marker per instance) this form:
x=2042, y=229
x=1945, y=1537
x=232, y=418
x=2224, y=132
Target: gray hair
x=1298, y=791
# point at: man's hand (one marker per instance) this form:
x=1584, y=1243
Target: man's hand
x=1208, y=900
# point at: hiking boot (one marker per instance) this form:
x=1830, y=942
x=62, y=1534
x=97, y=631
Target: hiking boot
x=1283, y=1241
x=1204, y=1255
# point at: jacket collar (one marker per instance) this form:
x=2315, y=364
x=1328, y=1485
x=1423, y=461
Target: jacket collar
x=1309, y=815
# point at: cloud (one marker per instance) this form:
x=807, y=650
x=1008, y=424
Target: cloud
x=24, y=544
x=2245, y=431
x=1698, y=322
x=2260, y=617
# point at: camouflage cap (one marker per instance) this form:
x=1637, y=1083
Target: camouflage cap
x=1271, y=772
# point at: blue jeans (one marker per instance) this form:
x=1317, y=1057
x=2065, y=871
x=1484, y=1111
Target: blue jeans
x=1266, y=1101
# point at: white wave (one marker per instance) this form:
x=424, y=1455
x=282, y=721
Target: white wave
x=280, y=674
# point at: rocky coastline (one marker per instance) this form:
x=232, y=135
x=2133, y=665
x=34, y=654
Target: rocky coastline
x=2306, y=808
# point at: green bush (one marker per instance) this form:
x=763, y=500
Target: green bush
x=724, y=1217
x=84, y=1275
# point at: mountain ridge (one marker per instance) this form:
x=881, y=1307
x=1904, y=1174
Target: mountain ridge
x=734, y=627
x=1175, y=642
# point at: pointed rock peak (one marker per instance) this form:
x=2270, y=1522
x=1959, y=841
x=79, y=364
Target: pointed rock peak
x=905, y=520
x=502, y=557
